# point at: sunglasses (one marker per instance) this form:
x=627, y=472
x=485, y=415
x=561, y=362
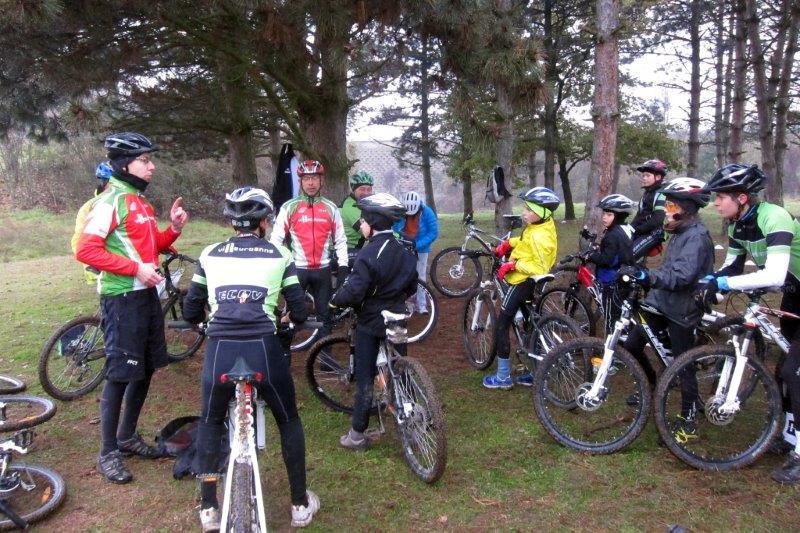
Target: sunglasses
x=671, y=207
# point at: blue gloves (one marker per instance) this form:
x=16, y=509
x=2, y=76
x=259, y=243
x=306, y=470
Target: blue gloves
x=638, y=274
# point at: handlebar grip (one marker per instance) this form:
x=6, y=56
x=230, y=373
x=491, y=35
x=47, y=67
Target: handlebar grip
x=181, y=324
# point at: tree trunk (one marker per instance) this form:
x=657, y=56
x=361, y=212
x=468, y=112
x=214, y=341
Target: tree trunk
x=532, y=168
x=735, y=148
x=782, y=100
x=549, y=117
x=236, y=101
x=765, y=131
x=694, y=91
x=505, y=147
x=604, y=108
x=719, y=85
x=243, y=161
x=466, y=190
x=566, y=190
x=425, y=145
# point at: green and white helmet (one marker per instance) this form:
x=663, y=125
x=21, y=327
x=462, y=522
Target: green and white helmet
x=362, y=177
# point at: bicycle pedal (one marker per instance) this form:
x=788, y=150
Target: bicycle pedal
x=23, y=438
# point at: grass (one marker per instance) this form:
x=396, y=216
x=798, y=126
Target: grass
x=503, y=471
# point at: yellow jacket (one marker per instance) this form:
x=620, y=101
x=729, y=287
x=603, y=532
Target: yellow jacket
x=534, y=252
x=80, y=222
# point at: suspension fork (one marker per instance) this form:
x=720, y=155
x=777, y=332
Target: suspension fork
x=608, y=354
x=731, y=375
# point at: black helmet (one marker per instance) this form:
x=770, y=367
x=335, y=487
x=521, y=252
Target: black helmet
x=617, y=203
x=736, y=177
x=128, y=144
x=381, y=210
x=656, y=166
x=247, y=206
x=687, y=189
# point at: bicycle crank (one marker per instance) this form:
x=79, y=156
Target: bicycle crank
x=590, y=404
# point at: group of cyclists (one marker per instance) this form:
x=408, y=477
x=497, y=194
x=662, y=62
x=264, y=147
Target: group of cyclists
x=240, y=279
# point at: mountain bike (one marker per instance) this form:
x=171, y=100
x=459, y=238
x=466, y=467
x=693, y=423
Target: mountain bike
x=22, y=411
x=536, y=334
x=740, y=399
x=28, y=493
x=455, y=273
x=419, y=325
x=581, y=299
x=403, y=391
x=72, y=361
x=592, y=395
x=10, y=385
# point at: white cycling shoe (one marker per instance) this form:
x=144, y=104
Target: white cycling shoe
x=302, y=515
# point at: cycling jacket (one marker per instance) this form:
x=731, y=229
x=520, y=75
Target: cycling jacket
x=350, y=215
x=615, y=250
x=650, y=215
x=121, y=232
x=427, y=232
x=89, y=273
x=770, y=235
x=241, y=279
x=534, y=252
x=310, y=225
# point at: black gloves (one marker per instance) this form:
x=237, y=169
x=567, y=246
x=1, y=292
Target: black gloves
x=635, y=273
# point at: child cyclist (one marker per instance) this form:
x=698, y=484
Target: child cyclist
x=614, y=251
x=384, y=274
x=530, y=255
x=771, y=237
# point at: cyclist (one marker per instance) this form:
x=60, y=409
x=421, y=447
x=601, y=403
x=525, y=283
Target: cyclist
x=240, y=278
x=420, y=226
x=121, y=239
x=688, y=258
x=648, y=224
x=614, y=251
x=103, y=174
x=310, y=222
x=361, y=186
x=530, y=255
x=384, y=274
x=771, y=237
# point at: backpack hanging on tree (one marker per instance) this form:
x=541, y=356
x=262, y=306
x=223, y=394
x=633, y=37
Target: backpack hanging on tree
x=283, y=189
x=496, y=186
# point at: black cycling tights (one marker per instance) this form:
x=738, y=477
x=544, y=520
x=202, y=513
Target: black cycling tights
x=115, y=393
x=790, y=369
x=264, y=355
x=318, y=283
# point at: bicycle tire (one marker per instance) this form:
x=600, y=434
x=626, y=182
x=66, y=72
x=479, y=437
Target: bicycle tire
x=592, y=431
x=564, y=275
x=71, y=371
x=421, y=325
x=722, y=325
x=181, y=343
x=552, y=329
x=28, y=411
x=725, y=442
x=38, y=503
x=11, y=385
x=422, y=430
x=479, y=339
x=243, y=516
x=303, y=337
x=454, y=275
x=574, y=304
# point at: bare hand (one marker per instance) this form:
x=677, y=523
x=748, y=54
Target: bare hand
x=148, y=275
x=285, y=319
x=177, y=215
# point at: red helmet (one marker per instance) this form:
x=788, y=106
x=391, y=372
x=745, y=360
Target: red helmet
x=310, y=167
x=656, y=166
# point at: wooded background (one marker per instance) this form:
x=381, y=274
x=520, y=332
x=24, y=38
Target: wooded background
x=220, y=85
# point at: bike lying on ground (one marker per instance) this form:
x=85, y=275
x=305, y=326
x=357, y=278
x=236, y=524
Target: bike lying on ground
x=455, y=273
x=536, y=334
x=592, y=395
x=403, y=390
x=739, y=397
x=72, y=361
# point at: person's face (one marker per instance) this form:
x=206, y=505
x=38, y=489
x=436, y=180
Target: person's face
x=607, y=218
x=726, y=206
x=529, y=217
x=142, y=167
x=311, y=184
x=365, y=228
x=362, y=191
x=671, y=209
x=648, y=178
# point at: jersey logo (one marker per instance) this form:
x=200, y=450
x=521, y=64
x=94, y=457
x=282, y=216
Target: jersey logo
x=241, y=296
x=143, y=219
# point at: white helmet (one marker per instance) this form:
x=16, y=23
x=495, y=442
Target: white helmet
x=412, y=201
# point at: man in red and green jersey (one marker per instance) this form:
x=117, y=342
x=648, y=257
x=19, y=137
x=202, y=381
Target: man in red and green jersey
x=121, y=239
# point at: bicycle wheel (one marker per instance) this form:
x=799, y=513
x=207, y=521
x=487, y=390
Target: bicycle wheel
x=181, y=342
x=453, y=274
x=552, y=329
x=723, y=441
x=574, y=304
x=9, y=385
x=420, y=324
x=602, y=426
x=479, y=318
x=20, y=412
x=72, y=361
x=40, y=491
x=243, y=514
x=421, y=423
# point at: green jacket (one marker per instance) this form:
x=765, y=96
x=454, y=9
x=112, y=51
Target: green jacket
x=350, y=214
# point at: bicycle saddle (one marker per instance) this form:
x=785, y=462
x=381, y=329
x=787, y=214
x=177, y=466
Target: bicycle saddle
x=544, y=278
x=241, y=372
